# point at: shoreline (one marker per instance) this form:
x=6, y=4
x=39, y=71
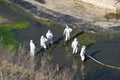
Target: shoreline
x=42, y=12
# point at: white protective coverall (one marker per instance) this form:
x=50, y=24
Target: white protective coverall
x=74, y=45
x=67, y=32
x=32, y=48
x=82, y=53
x=49, y=36
x=43, y=41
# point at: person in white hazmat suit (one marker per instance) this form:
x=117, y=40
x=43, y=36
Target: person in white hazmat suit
x=67, y=32
x=43, y=41
x=74, y=45
x=49, y=36
x=32, y=48
x=82, y=53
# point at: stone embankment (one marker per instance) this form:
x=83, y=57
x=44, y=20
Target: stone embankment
x=61, y=17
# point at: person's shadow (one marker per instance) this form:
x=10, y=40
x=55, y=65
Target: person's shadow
x=40, y=50
x=89, y=45
x=76, y=35
x=92, y=54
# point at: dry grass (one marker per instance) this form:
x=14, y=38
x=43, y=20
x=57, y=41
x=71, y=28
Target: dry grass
x=12, y=65
x=18, y=65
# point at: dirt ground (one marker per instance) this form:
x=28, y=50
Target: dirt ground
x=3, y=20
x=79, y=10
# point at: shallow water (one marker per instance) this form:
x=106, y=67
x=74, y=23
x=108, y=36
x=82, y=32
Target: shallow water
x=105, y=49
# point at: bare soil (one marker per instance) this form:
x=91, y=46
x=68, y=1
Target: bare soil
x=3, y=20
x=79, y=10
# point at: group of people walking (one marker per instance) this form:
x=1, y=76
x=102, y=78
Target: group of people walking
x=43, y=42
x=48, y=40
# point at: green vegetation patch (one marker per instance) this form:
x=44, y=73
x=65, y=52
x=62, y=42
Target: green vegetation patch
x=50, y=23
x=84, y=38
x=47, y=22
x=6, y=34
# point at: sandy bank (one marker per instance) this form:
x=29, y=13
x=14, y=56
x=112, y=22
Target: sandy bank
x=71, y=12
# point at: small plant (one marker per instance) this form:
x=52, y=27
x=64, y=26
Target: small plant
x=50, y=23
x=84, y=38
x=47, y=22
